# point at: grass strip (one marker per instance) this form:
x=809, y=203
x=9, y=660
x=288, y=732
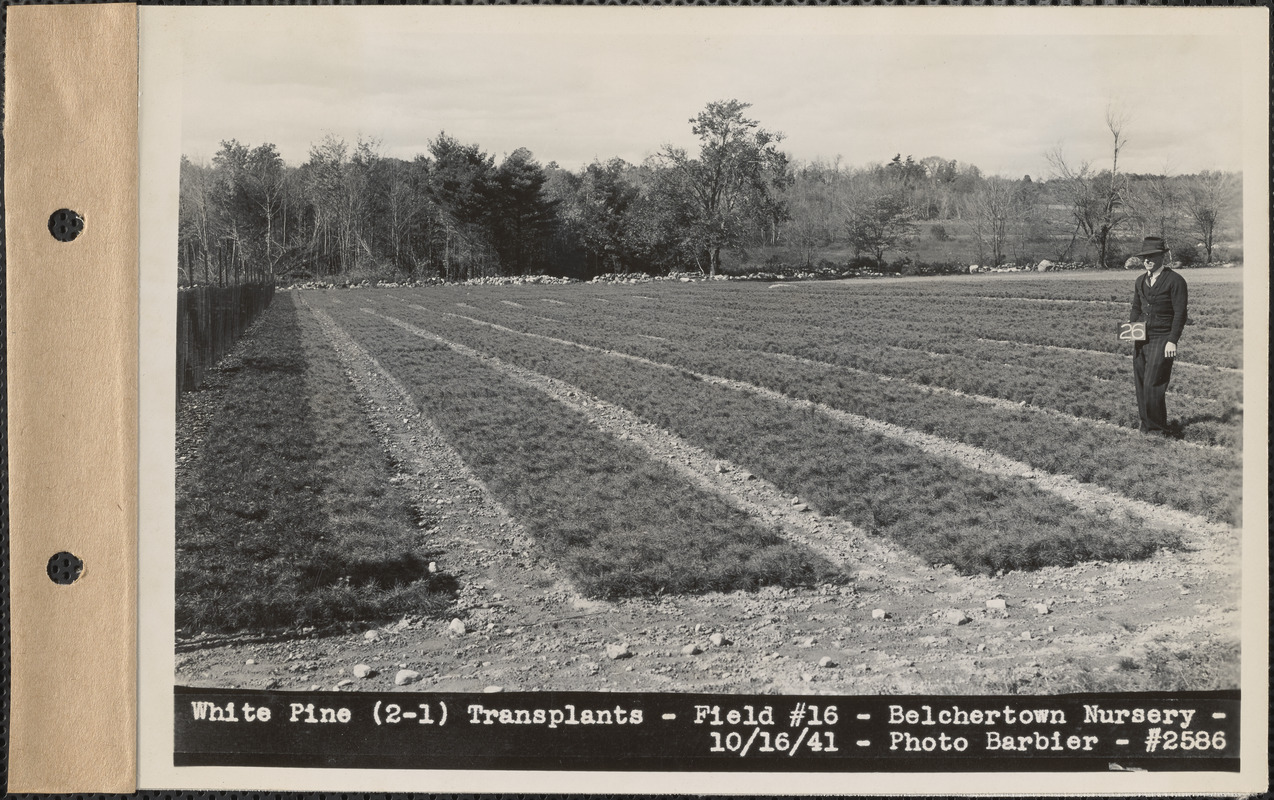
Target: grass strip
x=934, y=507
x=1205, y=315
x=290, y=519
x=617, y=523
x=1197, y=666
x=1213, y=303
x=1218, y=299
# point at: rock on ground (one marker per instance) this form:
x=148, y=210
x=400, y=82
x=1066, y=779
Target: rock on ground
x=406, y=676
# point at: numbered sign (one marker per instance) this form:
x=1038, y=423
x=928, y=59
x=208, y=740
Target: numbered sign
x=1132, y=331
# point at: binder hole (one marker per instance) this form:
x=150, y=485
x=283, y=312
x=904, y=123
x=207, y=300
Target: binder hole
x=65, y=568
x=65, y=224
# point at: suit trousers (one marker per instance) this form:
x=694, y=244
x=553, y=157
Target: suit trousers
x=1152, y=372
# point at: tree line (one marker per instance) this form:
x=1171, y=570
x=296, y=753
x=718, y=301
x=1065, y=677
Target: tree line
x=350, y=212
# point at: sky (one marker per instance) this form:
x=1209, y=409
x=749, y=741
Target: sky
x=574, y=85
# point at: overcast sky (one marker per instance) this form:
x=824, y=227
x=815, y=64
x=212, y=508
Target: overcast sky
x=574, y=85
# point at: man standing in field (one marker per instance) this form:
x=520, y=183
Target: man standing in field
x=1159, y=300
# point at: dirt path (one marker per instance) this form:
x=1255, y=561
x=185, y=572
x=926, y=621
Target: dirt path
x=526, y=629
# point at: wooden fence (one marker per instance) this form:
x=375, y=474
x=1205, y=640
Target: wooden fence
x=209, y=321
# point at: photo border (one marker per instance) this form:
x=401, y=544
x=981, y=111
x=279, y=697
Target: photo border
x=161, y=68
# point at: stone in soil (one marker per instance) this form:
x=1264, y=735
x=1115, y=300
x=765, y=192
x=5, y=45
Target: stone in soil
x=406, y=676
x=718, y=640
x=691, y=650
x=879, y=613
x=617, y=651
x=364, y=671
x=957, y=617
x=826, y=661
x=372, y=635
x=457, y=626
x=997, y=604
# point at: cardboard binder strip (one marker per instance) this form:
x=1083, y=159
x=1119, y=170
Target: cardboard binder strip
x=70, y=128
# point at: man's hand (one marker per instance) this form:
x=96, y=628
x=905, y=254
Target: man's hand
x=1170, y=350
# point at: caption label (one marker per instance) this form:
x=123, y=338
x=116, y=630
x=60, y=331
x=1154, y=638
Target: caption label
x=1157, y=731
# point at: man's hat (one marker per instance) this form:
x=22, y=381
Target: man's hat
x=1152, y=246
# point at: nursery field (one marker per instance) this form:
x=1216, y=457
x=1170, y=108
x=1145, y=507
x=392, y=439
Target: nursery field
x=639, y=443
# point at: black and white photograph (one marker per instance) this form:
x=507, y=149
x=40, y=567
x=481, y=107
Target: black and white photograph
x=526, y=353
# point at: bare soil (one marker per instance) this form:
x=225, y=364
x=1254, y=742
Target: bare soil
x=1107, y=625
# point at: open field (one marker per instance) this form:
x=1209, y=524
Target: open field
x=955, y=242
x=649, y=464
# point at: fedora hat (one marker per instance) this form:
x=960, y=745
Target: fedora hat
x=1152, y=246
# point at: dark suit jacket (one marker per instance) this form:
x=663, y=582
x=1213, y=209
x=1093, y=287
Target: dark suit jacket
x=1162, y=306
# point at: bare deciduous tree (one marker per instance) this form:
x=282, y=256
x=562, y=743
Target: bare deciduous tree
x=816, y=215
x=195, y=214
x=263, y=168
x=1000, y=209
x=1209, y=200
x=1096, y=197
x=1155, y=204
